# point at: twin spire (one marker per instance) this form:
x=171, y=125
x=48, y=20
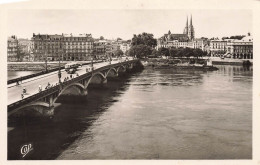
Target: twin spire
x=187, y=25
x=189, y=29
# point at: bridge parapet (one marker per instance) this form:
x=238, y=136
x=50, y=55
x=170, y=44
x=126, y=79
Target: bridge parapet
x=58, y=88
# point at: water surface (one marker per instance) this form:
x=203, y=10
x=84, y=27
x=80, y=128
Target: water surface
x=155, y=114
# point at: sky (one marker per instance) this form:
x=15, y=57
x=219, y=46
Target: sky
x=124, y=23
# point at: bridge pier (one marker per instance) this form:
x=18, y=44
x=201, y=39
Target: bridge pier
x=49, y=112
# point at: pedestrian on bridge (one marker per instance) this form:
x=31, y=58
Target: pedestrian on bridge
x=24, y=90
x=40, y=88
x=22, y=95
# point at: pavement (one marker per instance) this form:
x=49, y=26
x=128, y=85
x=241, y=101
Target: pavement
x=32, y=84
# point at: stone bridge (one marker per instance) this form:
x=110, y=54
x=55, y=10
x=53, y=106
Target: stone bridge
x=43, y=102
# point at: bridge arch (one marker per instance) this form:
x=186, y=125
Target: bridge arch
x=121, y=67
x=78, y=86
x=40, y=107
x=112, y=72
x=97, y=78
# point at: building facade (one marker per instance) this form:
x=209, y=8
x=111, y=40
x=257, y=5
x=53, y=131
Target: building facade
x=12, y=49
x=99, y=50
x=233, y=48
x=218, y=47
x=124, y=46
x=47, y=47
x=78, y=48
x=62, y=47
x=241, y=49
x=25, y=49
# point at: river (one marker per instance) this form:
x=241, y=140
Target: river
x=16, y=74
x=153, y=114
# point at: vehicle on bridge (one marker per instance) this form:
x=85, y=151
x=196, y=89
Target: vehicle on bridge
x=89, y=68
x=80, y=63
x=114, y=59
x=71, y=67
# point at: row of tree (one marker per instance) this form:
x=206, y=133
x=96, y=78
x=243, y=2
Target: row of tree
x=179, y=52
x=143, y=46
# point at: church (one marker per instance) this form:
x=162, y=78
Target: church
x=178, y=40
x=189, y=30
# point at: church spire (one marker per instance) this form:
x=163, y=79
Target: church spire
x=185, y=31
x=191, y=31
x=191, y=20
x=187, y=22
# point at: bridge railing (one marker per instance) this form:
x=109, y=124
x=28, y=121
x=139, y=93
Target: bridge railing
x=57, y=87
x=33, y=97
x=40, y=73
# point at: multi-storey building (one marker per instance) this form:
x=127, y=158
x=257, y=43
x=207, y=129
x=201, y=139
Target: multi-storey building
x=200, y=44
x=242, y=49
x=99, y=50
x=78, y=47
x=218, y=47
x=124, y=46
x=63, y=47
x=115, y=46
x=25, y=48
x=109, y=49
x=12, y=49
x=47, y=47
x=234, y=48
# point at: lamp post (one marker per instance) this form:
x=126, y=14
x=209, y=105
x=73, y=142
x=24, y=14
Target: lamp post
x=92, y=68
x=59, y=72
x=46, y=69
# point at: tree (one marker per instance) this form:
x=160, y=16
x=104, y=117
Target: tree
x=155, y=53
x=204, y=38
x=140, y=51
x=238, y=37
x=118, y=52
x=223, y=38
x=101, y=38
x=127, y=53
x=142, y=45
x=198, y=52
x=118, y=39
x=173, y=52
x=180, y=52
x=163, y=51
x=187, y=52
x=144, y=39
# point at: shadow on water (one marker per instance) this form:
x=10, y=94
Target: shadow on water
x=50, y=137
